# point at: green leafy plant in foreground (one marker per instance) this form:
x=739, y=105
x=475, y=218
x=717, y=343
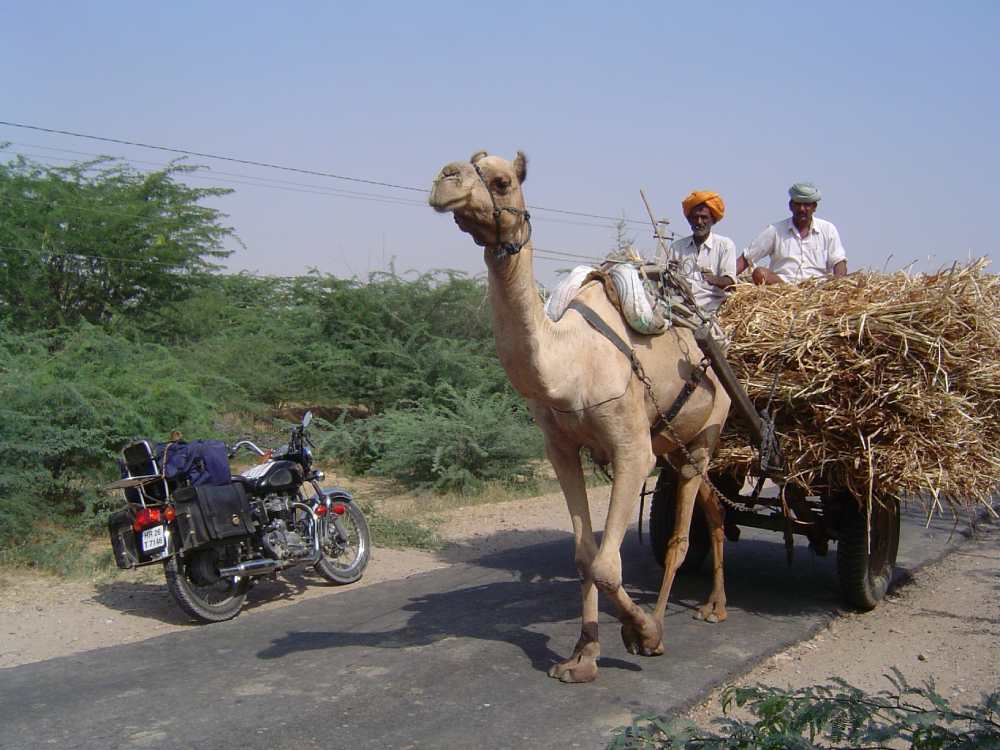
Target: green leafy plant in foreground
x=827, y=717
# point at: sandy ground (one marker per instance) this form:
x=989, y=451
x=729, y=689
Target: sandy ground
x=944, y=624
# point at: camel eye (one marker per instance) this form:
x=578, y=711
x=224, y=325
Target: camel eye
x=501, y=184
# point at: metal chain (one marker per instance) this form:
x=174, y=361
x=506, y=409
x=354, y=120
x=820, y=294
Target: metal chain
x=644, y=379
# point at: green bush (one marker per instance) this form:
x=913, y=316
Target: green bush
x=823, y=717
x=448, y=442
x=69, y=400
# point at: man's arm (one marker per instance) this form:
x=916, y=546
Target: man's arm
x=760, y=248
x=724, y=276
x=836, y=255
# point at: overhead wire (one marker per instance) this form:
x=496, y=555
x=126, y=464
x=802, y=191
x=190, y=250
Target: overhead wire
x=287, y=185
x=540, y=253
x=550, y=255
x=270, y=165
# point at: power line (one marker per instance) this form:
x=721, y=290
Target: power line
x=203, y=155
x=540, y=253
x=264, y=182
x=286, y=185
x=269, y=165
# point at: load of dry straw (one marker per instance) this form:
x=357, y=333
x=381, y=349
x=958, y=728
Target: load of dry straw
x=888, y=384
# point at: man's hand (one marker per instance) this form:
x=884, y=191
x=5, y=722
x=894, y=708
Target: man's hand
x=762, y=276
x=723, y=282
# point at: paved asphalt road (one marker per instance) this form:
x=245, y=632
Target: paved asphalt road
x=455, y=658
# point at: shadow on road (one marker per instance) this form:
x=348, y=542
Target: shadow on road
x=543, y=602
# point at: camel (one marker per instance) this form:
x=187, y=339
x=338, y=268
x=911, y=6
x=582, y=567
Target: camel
x=585, y=394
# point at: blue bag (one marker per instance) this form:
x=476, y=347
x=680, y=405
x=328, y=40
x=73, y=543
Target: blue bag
x=198, y=462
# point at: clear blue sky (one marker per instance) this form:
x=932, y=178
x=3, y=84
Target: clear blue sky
x=891, y=108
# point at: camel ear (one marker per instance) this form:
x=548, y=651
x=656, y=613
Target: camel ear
x=477, y=156
x=521, y=166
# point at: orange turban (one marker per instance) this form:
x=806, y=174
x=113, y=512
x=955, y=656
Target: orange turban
x=710, y=199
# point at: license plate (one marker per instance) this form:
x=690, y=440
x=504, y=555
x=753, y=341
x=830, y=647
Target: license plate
x=153, y=538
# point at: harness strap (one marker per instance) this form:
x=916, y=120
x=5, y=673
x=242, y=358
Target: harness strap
x=686, y=390
x=664, y=418
x=598, y=324
x=504, y=248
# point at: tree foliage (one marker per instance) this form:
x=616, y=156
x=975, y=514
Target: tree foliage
x=115, y=325
x=97, y=239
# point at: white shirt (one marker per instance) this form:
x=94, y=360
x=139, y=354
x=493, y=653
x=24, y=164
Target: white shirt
x=716, y=255
x=795, y=258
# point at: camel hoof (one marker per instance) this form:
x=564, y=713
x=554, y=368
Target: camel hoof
x=709, y=614
x=642, y=642
x=574, y=673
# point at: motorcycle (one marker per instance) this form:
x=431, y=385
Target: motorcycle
x=217, y=534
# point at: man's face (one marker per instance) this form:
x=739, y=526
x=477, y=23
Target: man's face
x=700, y=219
x=802, y=213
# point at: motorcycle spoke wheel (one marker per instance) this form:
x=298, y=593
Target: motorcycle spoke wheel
x=199, y=591
x=345, y=557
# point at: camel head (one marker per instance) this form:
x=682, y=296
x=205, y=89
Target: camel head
x=484, y=195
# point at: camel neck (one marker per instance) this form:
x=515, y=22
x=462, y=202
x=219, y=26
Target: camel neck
x=520, y=326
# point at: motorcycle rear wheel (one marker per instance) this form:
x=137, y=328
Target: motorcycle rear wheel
x=205, y=601
x=344, y=560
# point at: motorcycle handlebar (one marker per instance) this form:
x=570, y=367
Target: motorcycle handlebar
x=246, y=444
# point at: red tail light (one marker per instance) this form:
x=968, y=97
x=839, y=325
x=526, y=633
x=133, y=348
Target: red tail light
x=339, y=508
x=169, y=513
x=320, y=510
x=146, y=517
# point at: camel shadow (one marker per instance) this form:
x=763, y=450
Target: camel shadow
x=518, y=613
x=542, y=602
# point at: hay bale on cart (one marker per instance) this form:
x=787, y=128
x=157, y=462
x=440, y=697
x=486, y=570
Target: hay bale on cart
x=887, y=390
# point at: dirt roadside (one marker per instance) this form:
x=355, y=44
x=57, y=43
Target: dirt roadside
x=944, y=624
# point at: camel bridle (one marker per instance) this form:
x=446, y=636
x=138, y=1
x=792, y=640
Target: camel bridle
x=504, y=249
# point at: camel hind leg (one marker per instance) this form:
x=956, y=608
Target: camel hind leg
x=714, y=610
x=677, y=546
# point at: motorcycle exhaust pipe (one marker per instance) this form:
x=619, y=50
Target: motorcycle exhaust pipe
x=251, y=568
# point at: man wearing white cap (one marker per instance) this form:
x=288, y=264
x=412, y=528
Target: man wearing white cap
x=801, y=247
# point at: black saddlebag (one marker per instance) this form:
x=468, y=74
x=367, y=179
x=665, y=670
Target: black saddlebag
x=212, y=513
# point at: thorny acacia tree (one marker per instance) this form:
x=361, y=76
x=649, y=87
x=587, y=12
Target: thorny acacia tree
x=96, y=239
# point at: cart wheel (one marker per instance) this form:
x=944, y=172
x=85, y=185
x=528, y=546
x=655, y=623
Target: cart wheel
x=865, y=574
x=662, y=511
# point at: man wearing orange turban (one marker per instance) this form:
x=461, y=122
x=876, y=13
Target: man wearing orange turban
x=705, y=259
x=710, y=199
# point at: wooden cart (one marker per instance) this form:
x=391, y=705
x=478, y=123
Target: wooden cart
x=867, y=538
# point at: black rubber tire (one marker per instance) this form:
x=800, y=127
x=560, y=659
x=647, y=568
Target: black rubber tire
x=662, y=511
x=866, y=576
x=343, y=564
x=217, y=603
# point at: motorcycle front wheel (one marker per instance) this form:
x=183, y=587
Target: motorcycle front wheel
x=346, y=547
x=196, y=586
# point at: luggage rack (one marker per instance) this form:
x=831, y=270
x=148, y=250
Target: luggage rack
x=143, y=481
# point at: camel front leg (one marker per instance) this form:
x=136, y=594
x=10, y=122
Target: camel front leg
x=582, y=665
x=714, y=610
x=641, y=633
